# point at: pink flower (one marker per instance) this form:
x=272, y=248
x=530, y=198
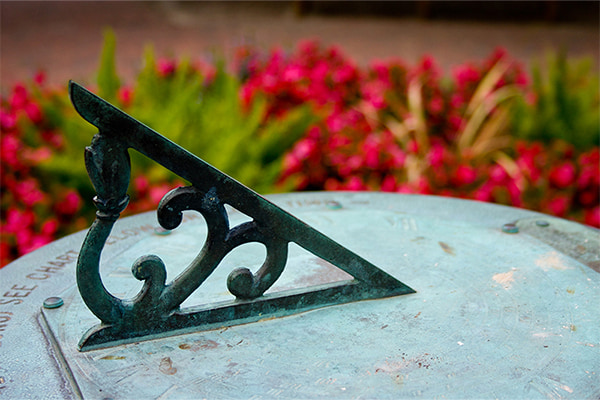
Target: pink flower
x=8, y=120
x=592, y=217
x=465, y=75
x=335, y=123
x=427, y=63
x=587, y=177
x=17, y=220
x=344, y=74
x=40, y=78
x=156, y=193
x=50, y=227
x=563, y=175
x=291, y=164
x=374, y=94
x=412, y=146
x=69, y=205
x=436, y=105
x=24, y=238
x=141, y=185
x=436, y=156
x=37, y=155
x=292, y=73
x=484, y=193
x=559, y=205
x=125, y=95
x=20, y=97
x=455, y=122
x=389, y=184
x=28, y=192
x=304, y=148
x=10, y=148
x=355, y=183
x=588, y=198
x=497, y=174
x=34, y=112
x=332, y=184
x=351, y=165
x=165, y=68
x=55, y=139
x=34, y=242
x=464, y=175
x=397, y=157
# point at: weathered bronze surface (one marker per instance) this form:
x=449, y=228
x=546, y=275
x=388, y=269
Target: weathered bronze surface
x=156, y=310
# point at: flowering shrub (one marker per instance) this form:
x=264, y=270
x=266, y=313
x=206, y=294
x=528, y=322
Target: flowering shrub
x=31, y=217
x=306, y=120
x=404, y=129
x=45, y=189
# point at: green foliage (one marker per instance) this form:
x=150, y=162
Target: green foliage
x=206, y=118
x=200, y=113
x=107, y=78
x=66, y=168
x=567, y=106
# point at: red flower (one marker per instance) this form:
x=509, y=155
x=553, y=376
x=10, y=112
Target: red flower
x=484, y=193
x=28, y=192
x=412, y=146
x=559, y=205
x=125, y=95
x=165, y=68
x=34, y=112
x=10, y=148
x=355, y=183
x=19, y=97
x=563, y=175
x=8, y=120
x=464, y=175
x=141, y=185
x=40, y=78
x=17, y=220
x=497, y=174
x=389, y=184
x=156, y=193
x=592, y=217
x=69, y=205
x=50, y=227
x=588, y=198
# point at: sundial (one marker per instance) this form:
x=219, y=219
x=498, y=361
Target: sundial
x=223, y=293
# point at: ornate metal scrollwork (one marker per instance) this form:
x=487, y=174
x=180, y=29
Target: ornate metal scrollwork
x=155, y=310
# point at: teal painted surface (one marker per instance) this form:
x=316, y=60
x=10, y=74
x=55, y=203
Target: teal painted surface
x=495, y=315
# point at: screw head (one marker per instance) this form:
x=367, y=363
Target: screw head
x=542, y=223
x=510, y=228
x=334, y=205
x=159, y=230
x=53, y=302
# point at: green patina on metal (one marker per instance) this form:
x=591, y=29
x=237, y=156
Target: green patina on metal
x=155, y=310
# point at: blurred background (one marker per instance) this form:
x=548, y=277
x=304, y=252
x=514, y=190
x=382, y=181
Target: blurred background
x=65, y=38
x=487, y=101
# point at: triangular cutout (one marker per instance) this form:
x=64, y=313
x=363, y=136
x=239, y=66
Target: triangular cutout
x=155, y=310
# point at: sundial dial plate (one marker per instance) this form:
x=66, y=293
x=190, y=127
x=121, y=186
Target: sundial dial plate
x=495, y=314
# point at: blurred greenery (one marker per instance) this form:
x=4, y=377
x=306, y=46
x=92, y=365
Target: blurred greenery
x=201, y=113
x=566, y=106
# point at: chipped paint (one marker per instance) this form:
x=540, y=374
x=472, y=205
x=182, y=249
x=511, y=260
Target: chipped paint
x=112, y=357
x=166, y=366
x=545, y=334
x=552, y=260
x=505, y=279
